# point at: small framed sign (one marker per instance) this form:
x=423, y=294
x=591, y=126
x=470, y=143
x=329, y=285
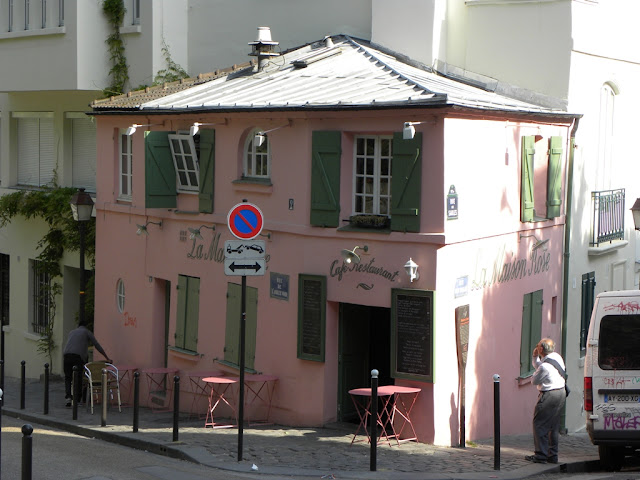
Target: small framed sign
x=279, y=286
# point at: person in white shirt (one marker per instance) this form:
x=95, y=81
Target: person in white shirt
x=551, y=398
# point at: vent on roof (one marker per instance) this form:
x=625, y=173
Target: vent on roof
x=316, y=56
x=263, y=47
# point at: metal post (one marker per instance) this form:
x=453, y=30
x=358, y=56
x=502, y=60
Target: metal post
x=46, y=389
x=176, y=406
x=243, y=323
x=27, y=443
x=81, y=316
x=496, y=422
x=1, y=394
x=136, y=400
x=2, y=378
x=76, y=391
x=2, y=357
x=105, y=398
x=22, y=384
x=373, y=420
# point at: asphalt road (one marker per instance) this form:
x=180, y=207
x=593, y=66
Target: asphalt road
x=61, y=455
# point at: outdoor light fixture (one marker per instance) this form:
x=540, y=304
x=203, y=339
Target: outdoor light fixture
x=81, y=207
x=132, y=129
x=411, y=268
x=142, y=229
x=195, y=232
x=538, y=244
x=409, y=131
x=260, y=137
x=195, y=128
x=350, y=256
x=635, y=210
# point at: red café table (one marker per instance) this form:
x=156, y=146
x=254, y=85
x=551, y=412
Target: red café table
x=198, y=387
x=125, y=380
x=396, y=404
x=219, y=386
x=160, y=388
x=259, y=393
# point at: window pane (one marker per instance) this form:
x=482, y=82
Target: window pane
x=618, y=342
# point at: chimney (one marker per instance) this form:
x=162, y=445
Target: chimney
x=263, y=47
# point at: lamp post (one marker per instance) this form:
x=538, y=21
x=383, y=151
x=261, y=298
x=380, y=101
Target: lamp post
x=81, y=207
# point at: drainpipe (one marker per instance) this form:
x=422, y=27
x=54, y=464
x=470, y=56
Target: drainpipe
x=566, y=255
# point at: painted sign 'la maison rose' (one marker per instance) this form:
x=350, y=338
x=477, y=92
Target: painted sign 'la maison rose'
x=506, y=268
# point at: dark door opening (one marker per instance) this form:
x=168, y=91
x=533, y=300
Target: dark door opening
x=364, y=344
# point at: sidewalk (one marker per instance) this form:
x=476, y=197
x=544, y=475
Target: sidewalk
x=278, y=450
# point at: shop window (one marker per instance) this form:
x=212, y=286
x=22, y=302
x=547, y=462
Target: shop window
x=232, y=328
x=186, y=336
x=531, y=330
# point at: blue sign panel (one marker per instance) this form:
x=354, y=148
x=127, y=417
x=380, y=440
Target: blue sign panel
x=279, y=286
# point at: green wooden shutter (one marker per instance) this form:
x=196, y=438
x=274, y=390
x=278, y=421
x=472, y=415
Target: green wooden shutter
x=160, y=174
x=531, y=329
x=182, y=311
x=192, y=313
x=526, y=187
x=207, y=170
x=406, y=180
x=232, y=330
x=325, y=178
x=554, y=177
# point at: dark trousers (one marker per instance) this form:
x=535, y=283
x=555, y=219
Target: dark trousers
x=546, y=423
x=72, y=360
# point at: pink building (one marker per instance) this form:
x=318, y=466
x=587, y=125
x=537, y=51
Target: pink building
x=471, y=190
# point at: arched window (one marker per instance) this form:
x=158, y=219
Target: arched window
x=257, y=157
x=120, y=295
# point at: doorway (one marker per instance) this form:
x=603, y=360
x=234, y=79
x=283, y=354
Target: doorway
x=364, y=343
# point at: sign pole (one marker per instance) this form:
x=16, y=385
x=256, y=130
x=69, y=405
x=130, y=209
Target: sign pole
x=243, y=323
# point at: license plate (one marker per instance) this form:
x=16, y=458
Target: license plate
x=620, y=397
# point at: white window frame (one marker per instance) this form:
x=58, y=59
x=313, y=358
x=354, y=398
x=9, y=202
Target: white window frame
x=605, y=136
x=370, y=202
x=120, y=297
x=125, y=172
x=61, y=13
x=185, y=161
x=84, y=152
x=135, y=10
x=255, y=157
x=10, y=16
x=41, y=305
x=45, y=156
x=26, y=14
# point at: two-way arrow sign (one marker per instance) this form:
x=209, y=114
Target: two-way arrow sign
x=244, y=267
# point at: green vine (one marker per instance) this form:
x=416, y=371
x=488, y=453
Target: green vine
x=173, y=72
x=119, y=72
x=52, y=206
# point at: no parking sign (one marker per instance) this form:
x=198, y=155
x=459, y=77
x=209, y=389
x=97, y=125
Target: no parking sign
x=245, y=221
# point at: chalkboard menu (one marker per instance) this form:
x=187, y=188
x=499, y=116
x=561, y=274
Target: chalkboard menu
x=412, y=334
x=312, y=300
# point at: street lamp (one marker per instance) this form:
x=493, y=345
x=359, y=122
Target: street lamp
x=82, y=208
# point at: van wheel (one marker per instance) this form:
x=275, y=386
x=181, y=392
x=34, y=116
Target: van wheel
x=611, y=458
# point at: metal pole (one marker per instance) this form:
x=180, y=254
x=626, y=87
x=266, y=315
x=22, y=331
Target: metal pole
x=2, y=357
x=1, y=394
x=496, y=422
x=243, y=324
x=76, y=391
x=46, y=389
x=22, y=384
x=176, y=406
x=81, y=317
x=27, y=443
x=373, y=420
x=136, y=400
x=105, y=398
x=2, y=377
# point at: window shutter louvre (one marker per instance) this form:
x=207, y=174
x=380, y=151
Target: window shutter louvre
x=207, y=170
x=28, y=152
x=83, y=153
x=525, y=336
x=181, y=315
x=406, y=181
x=325, y=178
x=526, y=188
x=192, y=313
x=160, y=174
x=554, y=177
x=47, y=152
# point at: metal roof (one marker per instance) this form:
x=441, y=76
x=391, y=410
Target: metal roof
x=337, y=72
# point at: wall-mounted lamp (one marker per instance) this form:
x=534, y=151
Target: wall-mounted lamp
x=411, y=268
x=409, y=131
x=142, y=229
x=537, y=245
x=635, y=210
x=132, y=129
x=195, y=128
x=195, y=232
x=350, y=256
x=259, y=138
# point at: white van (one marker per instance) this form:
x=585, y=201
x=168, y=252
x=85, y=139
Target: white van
x=612, y=376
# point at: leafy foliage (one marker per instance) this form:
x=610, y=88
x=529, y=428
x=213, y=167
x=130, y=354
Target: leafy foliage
x=119, y=72
x=173, y=72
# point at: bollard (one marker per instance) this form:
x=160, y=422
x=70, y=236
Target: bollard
x=27, y=442
x=2, y=378
x=136, y=398
x=176, y=406
x=22, y=383
x=46, y=389
x=374, y=420
x=105, y=398
x=75, y=394
x=496, y=422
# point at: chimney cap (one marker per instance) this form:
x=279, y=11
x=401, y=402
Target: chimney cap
x=264, y=37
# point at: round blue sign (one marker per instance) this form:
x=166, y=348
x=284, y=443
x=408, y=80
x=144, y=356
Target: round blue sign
x=245, y=221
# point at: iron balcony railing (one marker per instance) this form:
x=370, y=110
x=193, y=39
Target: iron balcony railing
x=608, y=216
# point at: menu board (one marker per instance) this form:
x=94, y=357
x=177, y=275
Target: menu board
x=312, y=300
x=412, y=334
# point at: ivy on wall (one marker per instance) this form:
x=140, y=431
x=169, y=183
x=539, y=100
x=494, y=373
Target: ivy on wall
x=119, y=72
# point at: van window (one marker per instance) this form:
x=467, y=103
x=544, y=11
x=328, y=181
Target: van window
x=618, y=343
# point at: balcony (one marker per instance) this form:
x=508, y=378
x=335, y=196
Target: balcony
x=607, y=221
